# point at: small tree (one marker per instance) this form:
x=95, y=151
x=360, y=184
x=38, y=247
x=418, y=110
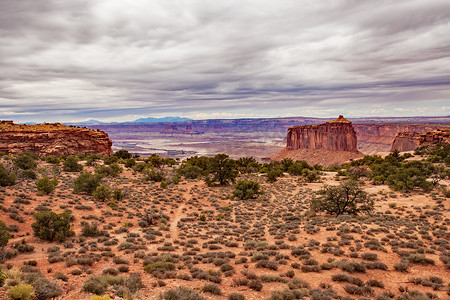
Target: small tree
x=348, y=197
x=86, y=183
x=51, y=226
x=71, y=164
x=6, y=178
x=4, y=238
x=26, y=161
x=102, y=193
x=45, y=185
x=246, y=189
x=124, y=154
x=223, y=169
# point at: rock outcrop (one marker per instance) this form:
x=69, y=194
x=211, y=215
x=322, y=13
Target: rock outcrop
x=407, y=141
x=333, y=142
x=52, y=139
x=337, y=135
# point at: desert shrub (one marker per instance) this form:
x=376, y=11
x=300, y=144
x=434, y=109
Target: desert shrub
x=246, y=189
x=4, y=237
x=159, y=267
x=45, y=289
x=272, y=175
x=95, y=286
x=369, y=256
x=296, y=284
x=419, y=259
x=6, y=178
x=130, y=163
x=358, y=290
x=71, y=164
x=28, y=174
x=402, y=266
x=375, y=283
x=26, y=161
x=60, y=276
x=212, y=289
x=86, y=183
x=21, y=292
x=102, y=193
x=90, y=229
x=180, y=293
x=45, y=185
x=236, y=296
x=52, y=159
x=122, y=154
x=190, y=172
x=2, y=277
x=51, y=226
x=352, y=267
x=118, y=195
x=255, y=285
x=347, y=197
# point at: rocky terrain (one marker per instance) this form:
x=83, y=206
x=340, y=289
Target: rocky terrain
x=406, y=141
x=152, y=240
x=333, y=142
x=52, y=139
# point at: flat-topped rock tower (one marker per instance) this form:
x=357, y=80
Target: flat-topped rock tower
x=329, y=143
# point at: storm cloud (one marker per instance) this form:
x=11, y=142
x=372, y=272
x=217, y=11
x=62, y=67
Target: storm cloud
x=120, y=60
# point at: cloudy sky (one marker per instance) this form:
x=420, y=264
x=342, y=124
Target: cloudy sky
x=120, y=60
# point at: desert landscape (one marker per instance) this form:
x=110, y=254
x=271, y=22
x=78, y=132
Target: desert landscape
x=93, y=226
x=224, y=150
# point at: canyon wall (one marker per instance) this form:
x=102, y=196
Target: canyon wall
x=52, y=139
x=407, y=141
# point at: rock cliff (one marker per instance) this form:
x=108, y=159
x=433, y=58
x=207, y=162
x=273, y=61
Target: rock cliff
x=52, y=139
x=337, y=135
x=407, y=141
x=333, y=142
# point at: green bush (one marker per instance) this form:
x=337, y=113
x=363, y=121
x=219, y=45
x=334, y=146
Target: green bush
x=4, y=237
x=86, y=183
x=2, y=277
x=20, y=292
x=26, y=161
x=52, y=160
x=71, y=164
x=28, y=174
x=246, y=189
x=272, y=175
x=51, y=226
x=123, y=154
x=95, y=285
x=102, y=193
x=212, y=289
x=6, y=178
x=45, y=185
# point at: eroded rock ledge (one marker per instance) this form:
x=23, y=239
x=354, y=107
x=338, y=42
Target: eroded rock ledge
x=52, y=139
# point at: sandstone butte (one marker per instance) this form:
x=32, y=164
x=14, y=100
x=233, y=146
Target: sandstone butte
x=326, y=144
x=407, y=141
x=52, y=139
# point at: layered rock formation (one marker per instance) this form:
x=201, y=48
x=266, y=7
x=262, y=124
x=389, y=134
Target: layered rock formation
x=333, y=142
x=52, y=139
x=407, y=141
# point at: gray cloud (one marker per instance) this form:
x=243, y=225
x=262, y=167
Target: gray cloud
x=66, y=60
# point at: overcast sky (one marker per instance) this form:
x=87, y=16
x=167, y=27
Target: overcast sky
x=116, y=60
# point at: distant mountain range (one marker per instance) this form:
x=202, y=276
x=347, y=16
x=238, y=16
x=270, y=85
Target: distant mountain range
x=141, y=120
